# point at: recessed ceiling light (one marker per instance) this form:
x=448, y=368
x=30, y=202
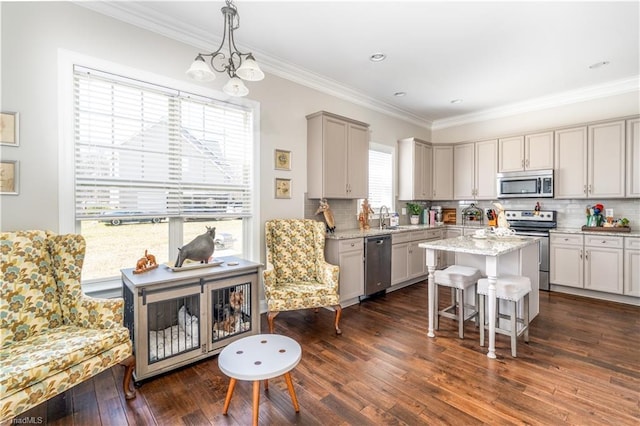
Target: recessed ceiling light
x=456, y=101
x=598, y=65
x=377, y=57
x=400, y=94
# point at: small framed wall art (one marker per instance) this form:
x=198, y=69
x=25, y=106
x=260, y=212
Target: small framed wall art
x=283, y=159
x=9, y=173
x=283, y=188
x=9, y=129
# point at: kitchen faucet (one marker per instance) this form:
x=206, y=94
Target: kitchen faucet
x=382, y=218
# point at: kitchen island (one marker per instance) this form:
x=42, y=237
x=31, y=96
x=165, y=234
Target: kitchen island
x=493, y=256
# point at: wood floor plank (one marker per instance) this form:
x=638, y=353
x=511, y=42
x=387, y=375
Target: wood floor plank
x=109, y=403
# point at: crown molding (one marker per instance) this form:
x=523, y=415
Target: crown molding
x=138, y=15
x=612, y=88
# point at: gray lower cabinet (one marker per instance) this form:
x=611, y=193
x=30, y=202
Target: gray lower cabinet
x=632, y=266
x=603, y=263
x=408, y=261
x=349, y=256
x=607, y=264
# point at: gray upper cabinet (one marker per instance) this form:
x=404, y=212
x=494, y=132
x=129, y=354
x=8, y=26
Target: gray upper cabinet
x=633, y=158
x=605, y=152
x=589, y=161
x=475, y=166
x=415, y=158
x=337, y=157
x=570, y=179
x=529, y=152
x=442, y=172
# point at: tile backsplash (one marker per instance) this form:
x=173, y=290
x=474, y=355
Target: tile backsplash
x=570, y=213
x=345, y=212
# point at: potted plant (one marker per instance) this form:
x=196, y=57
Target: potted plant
x=414, y=210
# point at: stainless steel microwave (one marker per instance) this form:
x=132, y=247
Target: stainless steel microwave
x=526, y=184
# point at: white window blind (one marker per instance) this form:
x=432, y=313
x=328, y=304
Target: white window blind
x=380, y=179
x=146, y=150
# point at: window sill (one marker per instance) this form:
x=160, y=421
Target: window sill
x=103, y=289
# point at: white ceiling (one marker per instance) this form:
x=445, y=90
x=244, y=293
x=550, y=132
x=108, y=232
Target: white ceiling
x=492, y=55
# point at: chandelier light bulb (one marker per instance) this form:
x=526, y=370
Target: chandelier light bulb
x=200, y=71
x=235, y=87
x=249, y=70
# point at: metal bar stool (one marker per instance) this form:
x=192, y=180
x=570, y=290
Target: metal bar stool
x=513, y=288
x=458, y=278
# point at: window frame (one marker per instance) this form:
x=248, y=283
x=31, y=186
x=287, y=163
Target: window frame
x=67, y=222
x=375, y=146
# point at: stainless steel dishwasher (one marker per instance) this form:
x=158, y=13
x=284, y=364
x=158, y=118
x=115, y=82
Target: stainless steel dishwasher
x=377, y=269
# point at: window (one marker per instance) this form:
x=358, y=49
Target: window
x=381, y=176
x=153, y=168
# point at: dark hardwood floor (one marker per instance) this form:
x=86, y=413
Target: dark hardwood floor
x=581, y=367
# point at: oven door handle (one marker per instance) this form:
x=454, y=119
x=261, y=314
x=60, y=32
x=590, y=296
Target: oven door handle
x=532, y=234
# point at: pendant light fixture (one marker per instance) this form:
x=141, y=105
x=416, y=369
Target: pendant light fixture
x=228, y=59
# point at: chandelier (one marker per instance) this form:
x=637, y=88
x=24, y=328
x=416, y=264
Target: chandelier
x=238, y=66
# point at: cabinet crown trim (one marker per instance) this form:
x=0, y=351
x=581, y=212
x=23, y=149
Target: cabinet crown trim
x=339, y=117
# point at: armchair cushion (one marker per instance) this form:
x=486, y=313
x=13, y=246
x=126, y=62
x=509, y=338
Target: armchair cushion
x=32, y=360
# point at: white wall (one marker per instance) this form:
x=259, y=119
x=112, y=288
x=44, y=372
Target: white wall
x=33, y=33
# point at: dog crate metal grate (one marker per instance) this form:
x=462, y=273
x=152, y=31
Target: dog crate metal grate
x=231, y=311
x=173, y=327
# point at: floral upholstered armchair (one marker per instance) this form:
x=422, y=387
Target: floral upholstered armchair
x=297, y=275
x=52, y=336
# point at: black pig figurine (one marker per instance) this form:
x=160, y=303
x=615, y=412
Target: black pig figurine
x=201, y=248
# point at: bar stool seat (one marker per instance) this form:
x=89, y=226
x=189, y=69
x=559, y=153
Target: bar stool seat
x=514, y=289
x=458, y=278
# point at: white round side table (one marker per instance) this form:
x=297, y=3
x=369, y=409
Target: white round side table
x=256, y=358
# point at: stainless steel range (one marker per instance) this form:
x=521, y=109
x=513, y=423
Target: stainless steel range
x=537, y=224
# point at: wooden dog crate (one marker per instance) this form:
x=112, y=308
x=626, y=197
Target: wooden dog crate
x=176, y=318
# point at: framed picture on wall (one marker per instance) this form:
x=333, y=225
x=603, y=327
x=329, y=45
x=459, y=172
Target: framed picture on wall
x=283, y=188
x=9, y=177
x=283, y=159
x=9, y=129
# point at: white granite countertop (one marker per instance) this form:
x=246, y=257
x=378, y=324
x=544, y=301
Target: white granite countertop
x=489, y=246
x=633, y=233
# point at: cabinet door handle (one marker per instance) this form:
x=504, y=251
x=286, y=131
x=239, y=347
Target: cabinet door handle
x=590, y=189
x=586, y=255
x=522, y=163
x=526, y=163
x=580, y=254
x=585, y=189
